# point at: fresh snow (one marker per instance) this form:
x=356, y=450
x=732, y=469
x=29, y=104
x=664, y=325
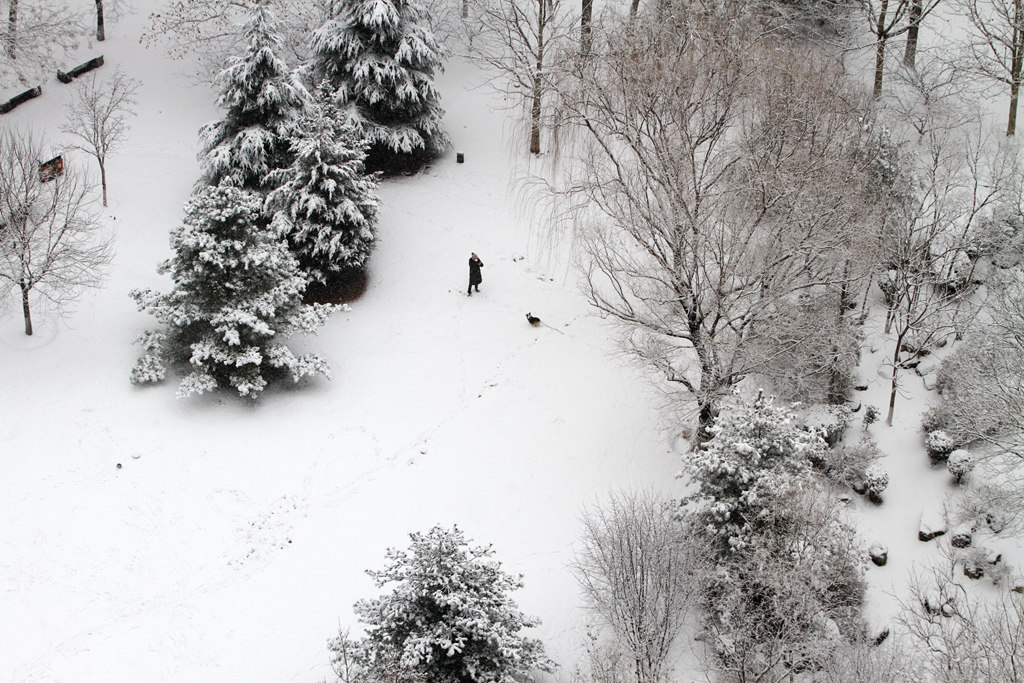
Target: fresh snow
x=231, y=543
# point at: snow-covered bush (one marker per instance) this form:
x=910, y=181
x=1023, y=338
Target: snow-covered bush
x=262, y=100
x=978, y=382
x=792, y=594
x=848, y=464
x=871, y=415
x=960, y=464
x=755, y=456
x=325, y=203
x=830, y=421
x=996, y=505
x=237, y=296
x=876, y=479
x=448, y=617
x=939, y=445
x=999, y=237
x=381, y=57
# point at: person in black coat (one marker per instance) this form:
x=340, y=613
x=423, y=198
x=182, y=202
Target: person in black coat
x=475, y=278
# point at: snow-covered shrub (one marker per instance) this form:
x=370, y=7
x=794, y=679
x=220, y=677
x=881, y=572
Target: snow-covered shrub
x=999, y=237
x=995, y=505
x=939, y=445
x=871, y=415
x=381, y=57
x=325, y=203
x=793, y=593
x=756, y=455
x=830, y=421
x=447, y=618
x=977, y=383
x=848, y=464
x=960, y=464
x=876, y=479
x=262, y=100
x=237, y=296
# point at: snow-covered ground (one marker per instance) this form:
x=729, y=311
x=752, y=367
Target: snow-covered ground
x=231, y=542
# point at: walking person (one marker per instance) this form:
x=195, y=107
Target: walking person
x=475, y=278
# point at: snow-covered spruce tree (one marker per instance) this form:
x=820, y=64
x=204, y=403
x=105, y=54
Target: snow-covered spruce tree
x=262, y=99
x=237, y=295
x=755, y=456
x=381, y=57
x=325, y=202
x=448, y=617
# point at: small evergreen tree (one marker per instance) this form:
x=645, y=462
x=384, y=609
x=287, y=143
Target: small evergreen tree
x=754, y=458
x=262, y=100
x=325, y=203
x=237, y=295
x=381, y=57
x=448, y=618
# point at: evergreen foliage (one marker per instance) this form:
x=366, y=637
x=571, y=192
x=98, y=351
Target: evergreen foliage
x=236, y=297
x=381, y=58
x=325, y=203
x=753, y=460
x=448, y=617
x=262, y=100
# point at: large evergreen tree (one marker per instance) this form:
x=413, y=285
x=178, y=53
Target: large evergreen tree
x=237, y=295
x=448, y=618
x=381, y=57
x=325, y=202
x=262, y=99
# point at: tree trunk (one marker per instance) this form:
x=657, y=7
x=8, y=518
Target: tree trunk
x=25, y=308
x=913, y=27
x=633, y=8
x=100, y=35
x=103, y=180
x=836, y=383
x=879, y=67
x=883, y=35
x=895, y=377
x=538, y=76
x=585, y=26
x=465, y=9
x=12, y=28
x=1015, y=65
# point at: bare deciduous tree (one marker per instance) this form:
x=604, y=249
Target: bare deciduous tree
x=522, y=40
x=641, y=572
x=996, y=46
x=212, y=29
x=959, y=177
x=39, y=34
x=716, y=178
x=50, y=241
x=960, y=635
x=887, y=19
x=98, y=116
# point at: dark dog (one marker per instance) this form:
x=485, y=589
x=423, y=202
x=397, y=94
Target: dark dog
x=534, y=320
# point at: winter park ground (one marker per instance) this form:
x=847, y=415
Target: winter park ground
x=232, y=540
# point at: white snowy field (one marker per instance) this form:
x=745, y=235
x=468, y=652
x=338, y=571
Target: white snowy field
x=232, y=542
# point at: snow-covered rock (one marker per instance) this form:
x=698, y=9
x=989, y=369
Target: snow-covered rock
x=933, y=524
x=928, y=366
x=879, y=554
x=931, y=382
x=961, y=536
